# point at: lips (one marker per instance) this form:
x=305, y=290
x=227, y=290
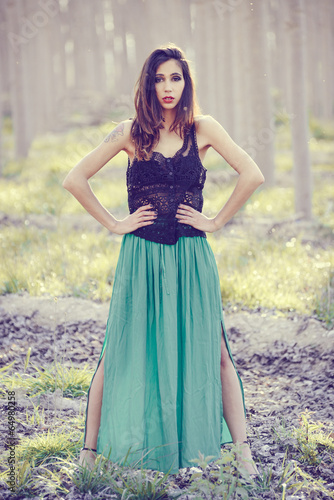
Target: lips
x=168, y=99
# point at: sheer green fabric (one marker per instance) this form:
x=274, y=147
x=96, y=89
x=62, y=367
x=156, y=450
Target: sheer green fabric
x=162, y=386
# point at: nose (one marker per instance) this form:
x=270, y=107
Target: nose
x=168, y=86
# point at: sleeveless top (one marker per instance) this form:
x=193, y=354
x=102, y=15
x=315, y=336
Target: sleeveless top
x=165, y=183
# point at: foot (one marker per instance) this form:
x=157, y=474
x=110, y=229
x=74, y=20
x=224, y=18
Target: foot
x=87, y=459
x=247, y=460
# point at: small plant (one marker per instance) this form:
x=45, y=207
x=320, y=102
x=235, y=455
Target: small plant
x=325, y=304
x=24, y=480
x=282, y=433
x=311, y=439
x=92, y=481
x=140, y=486
x=229, y=480
x=310, y=484
x=37, y=417
x=48, y=447
x=4, y=376
x=135, y=483
x=73, y=382
x=32, y=480
x=264, y=478
x=288, y=476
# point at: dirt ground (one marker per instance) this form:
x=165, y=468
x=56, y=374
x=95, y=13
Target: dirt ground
x=286, y=364
x=72, y=329
x=276, y=356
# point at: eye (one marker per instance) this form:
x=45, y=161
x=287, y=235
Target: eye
x=158, y=79
x=176, y=78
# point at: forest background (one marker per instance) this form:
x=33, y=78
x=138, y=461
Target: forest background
x=264, y=69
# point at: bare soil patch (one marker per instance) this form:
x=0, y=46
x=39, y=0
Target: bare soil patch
x=286, y=365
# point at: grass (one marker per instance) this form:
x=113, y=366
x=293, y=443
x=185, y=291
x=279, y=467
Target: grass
x=256, y=269
x=48, y=447
x=287, y=275
x=46, y=462
x=289, y=268
x=69, y=380
x=33, y=185
x=314, y=443
x=46, y=458
x=60, y=262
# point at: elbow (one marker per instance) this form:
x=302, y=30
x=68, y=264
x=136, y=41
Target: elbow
x=68, y=183
x=256, y=179
x=261, y=179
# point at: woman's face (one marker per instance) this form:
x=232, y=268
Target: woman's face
x=169, y=84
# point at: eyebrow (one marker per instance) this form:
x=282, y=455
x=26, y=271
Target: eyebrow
x=172, y=74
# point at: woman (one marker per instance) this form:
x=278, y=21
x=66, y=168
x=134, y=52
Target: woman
x=165, y=386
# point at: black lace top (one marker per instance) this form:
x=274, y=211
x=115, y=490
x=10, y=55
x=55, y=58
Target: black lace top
x=165, y=183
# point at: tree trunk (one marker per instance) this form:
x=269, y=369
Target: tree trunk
x=201, y=62
x=1, y=119
x=225, y=73
x=260, y=142
x=3, y=82
x=18, y=77
x=326, y=50
x=298, y=108
x=241, y=102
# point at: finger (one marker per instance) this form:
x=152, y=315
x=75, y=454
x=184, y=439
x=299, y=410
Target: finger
x=147, y=217
x=146, y=213
x=142, y=224
x=186, y=209
x=184, y=216
x=144, y=207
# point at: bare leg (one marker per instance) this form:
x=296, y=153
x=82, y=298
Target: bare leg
x=94, y=403
x=233, y=405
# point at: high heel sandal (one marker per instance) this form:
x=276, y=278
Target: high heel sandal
x=89, y=449
x=87, y=461
x=253, y=475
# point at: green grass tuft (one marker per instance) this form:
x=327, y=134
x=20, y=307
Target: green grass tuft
x=73, y=382
x=48, y=447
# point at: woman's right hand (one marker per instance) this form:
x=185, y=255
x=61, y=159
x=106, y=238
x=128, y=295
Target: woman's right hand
x=143, y=216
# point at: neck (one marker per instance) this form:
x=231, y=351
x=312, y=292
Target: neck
x=168, y=116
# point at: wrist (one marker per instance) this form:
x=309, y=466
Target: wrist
x=216, y=224
x=112, y=225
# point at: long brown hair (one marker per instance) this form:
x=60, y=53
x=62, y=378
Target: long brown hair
x=148, y=120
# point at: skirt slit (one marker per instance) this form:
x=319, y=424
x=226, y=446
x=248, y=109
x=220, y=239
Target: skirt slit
x=162, y=397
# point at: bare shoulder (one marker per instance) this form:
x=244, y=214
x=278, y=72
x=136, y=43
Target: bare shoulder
x=121, y=134
x=204, y=121
x=207, y=130
x=206, y=124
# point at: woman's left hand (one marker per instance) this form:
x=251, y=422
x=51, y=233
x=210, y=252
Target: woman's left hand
x=188, y=215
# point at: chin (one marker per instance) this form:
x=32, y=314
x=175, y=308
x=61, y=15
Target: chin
x=169, y=106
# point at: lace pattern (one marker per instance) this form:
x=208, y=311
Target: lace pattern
x=165, y=183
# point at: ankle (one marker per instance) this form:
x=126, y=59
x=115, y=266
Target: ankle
x=242, y=442
x=87, y=448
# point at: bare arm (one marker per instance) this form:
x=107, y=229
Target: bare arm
x=76, y=182
x=211, y=133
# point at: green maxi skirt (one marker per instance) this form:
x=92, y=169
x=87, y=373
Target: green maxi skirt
x=162, y=393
